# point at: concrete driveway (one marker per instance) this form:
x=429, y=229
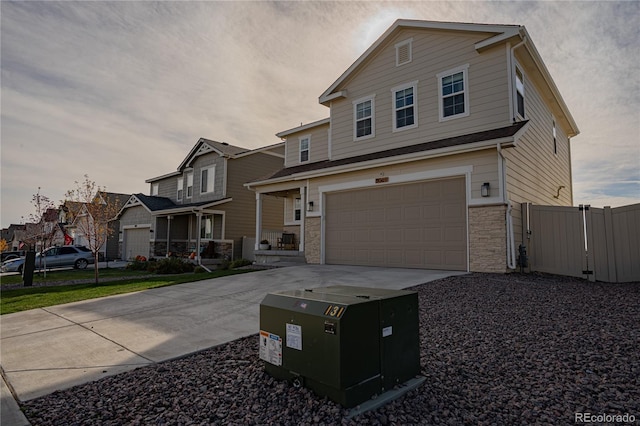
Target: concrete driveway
x=44, y=350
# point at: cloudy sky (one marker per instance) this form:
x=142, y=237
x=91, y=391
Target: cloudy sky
x=122, y=91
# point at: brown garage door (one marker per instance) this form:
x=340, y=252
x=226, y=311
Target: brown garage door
x=417, y=225
x=136, y=243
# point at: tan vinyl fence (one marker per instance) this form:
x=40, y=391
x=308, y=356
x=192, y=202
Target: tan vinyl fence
x=598, y=244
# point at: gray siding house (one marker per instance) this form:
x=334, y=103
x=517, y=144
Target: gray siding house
x=201, y=211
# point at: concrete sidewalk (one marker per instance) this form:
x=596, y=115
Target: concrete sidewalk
x=44, y=350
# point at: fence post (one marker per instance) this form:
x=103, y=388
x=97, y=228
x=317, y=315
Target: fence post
x=610, y=246
x=590, y=270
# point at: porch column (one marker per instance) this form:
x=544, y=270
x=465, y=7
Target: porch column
x=303, y=215
x=258, y=220
x=198, y=225
x=168, y=234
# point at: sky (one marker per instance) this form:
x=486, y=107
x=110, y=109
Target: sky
x=121, y=91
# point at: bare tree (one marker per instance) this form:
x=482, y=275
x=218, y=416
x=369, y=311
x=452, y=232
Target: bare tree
x=42, y=227
x=92, y=220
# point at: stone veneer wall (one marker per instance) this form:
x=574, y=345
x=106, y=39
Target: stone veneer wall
x=312, y=239
x=488, y=239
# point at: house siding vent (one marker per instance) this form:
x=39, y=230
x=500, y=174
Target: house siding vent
x=404, y=53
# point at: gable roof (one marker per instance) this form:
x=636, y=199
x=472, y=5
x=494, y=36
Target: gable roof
x=501, y=34
x=159, y=205
x=204, y=146
x=487, y=138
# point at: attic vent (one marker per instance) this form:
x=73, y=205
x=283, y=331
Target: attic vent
x=403, y=52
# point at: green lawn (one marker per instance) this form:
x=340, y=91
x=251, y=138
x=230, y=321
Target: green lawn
x=72, y=274
x=22, y=299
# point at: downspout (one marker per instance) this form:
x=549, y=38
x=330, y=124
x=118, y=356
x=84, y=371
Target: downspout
x=511, y=249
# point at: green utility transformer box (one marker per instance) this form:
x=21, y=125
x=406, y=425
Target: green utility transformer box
x=348, y=343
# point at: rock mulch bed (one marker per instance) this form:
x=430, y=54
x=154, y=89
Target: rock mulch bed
x=495, y=349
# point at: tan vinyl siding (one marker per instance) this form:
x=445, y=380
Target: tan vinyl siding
x=433, y=52
x=241, y=212
x=318, y=148
x=168, y=187
x=484, y=163
x=203, y=162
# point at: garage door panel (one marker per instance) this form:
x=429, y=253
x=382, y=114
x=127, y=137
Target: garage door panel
x=136, y=243
x=413, y=225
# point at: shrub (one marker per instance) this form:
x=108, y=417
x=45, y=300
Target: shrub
x=171, y=265
x=239, y=263
x=137, y=265
x=199, y=270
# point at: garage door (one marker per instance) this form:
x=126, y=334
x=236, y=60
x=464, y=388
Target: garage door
x=136, y=243
x=417, y=225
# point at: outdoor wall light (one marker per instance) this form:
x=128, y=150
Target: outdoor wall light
x=310, y=206
x=484, y=190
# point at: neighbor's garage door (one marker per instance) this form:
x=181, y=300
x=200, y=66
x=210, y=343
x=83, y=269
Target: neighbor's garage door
x=417, y=225
x=136, y=243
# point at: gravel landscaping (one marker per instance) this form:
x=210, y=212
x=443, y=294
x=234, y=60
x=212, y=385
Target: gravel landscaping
x=495, y=349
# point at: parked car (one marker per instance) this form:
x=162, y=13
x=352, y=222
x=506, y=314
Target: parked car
x=77, y=256
x=8, y=255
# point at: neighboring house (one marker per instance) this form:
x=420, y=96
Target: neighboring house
x=71, y=210
x=202, y=204
x=14, y=236
x=435, y=136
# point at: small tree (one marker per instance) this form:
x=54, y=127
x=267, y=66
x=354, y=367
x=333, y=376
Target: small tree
x=92, y=220
x=41, y=229
x=3, y=245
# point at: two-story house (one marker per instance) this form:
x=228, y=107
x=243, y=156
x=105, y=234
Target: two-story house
x=202, y=210
x=435, y=136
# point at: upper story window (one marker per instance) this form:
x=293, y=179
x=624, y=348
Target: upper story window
x=364, y=121
x=404, y=53
x=207, y=179
x=305, y=141
x=180, y=188
x=189, y=185
x=454, y=93
x=405, y=106
x=555, y=140
x=519, y=93
x=154, y=188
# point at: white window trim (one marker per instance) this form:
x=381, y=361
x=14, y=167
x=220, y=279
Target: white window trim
x=189, y=185
x=300, y=139
x=371, y=98
x=465, y=81
x=401, y=44
x=516, y=113
x=554, y=135
x=211, y=181
x=180, y=188
x=155, y=188
x=414, y=85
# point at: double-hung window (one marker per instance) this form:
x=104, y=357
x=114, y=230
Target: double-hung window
x=206, y=227
x=155, y=188
x=453, y=89
x=207, y=179
x=297, y=211
x=405, y=110
x=305, y=141
x=189, y=185
x=364, y=121
x=519, y=93
x=180, y=188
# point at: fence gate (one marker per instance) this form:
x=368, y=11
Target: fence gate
x=593, y=243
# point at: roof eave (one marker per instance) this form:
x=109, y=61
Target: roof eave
x=303, y=127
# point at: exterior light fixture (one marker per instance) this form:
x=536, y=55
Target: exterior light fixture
x=310, y=206
x=484, y=190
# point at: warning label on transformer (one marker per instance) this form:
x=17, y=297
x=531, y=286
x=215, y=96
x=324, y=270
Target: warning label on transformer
x=270, y=348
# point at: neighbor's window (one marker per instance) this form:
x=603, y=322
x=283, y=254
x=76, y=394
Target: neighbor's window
x=207, y=178
x=189, y=185
x=206, y=227
x=404, y=106
x=453, y=91
x=154, y=188
x=519, y=93
x=363, y=112
x=180, y=188
x=297, y=213
x=304, y=148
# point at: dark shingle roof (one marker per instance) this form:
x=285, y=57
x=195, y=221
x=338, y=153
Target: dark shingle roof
x=156, y=203
x=486, y=135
